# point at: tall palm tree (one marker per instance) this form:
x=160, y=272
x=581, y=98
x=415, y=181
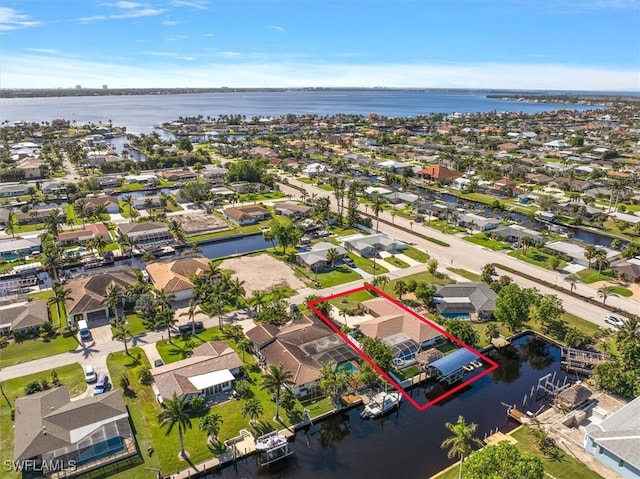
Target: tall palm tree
x=211, y=424
x=590, y=253
x=257, y=299
x=236, y=290
x=275, y=380
x=219, y=296
x=128, y=201
x=400, y=288
x=162, y=299
x=60, y=296
x=174, y=414
x=378, y=201
x=252, y=408
x=166, y=318
x=100, y=243
x=194, y=309
x=80, y=207
x=10, y=227
x=462, y=441
x=115, y=295
x=53, y=222
x=332, y=256
x=122, y=333
x=126, y=244
x=572, y=279
x=605, y=291
x=176, y=230
x=52, y=262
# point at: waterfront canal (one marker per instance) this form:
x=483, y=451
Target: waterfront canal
x=407, y=443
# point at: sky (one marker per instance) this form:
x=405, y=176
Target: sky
x=502, y=44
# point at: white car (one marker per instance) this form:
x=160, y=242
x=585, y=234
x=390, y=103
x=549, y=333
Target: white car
x=90, y=374
x=613, y=320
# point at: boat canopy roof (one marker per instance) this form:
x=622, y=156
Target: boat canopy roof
x=454, y=362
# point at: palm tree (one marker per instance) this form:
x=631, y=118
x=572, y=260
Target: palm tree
x=212, y=273
x=332, y=256
x=210, y=425
x=176, y=230
x=590, y=253
x=236, y=290
x=166, y=318
x=10, y=227
x=128, y=200
x=432, y=267
x=630, y=332
x=605, y=291
x=462, y=441
x=121, y=333
x=252, y=408
x=219, y=295
x=115, y=295
x=572, y=279
x=174, y=413
x=400, y=288
x=257, y=299
x=52, y=262
x=80, y=207
x=53, y=222
x=100, y=243
x=274, y=381
x=378, y=201
x=163, y=299
x=126, y=244
x=194, y=309
x=246, y=346
x=60, y=296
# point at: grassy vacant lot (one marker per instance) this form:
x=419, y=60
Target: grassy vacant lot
x=351, y=301
x=366, y=264
x=588, y=276
x=71, y=376
x=535, y=256
x=415, y=254
x=561, y=467
x=482, y=239
x=338, y=275
x=30, y=349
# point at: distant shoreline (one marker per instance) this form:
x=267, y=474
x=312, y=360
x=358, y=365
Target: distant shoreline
x=490, y=93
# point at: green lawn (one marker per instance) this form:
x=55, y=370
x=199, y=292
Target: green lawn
x=588, y=276
x=30, y=349
x=561, y=467
x=366, y=264
x=71, y=376
x=338, y=275
x=465, y=274
x=536, y=257
x=482, y=239
x=620, y=291
x=351, y=301
x=397, y=262
x=176, y=350
x=415, y=254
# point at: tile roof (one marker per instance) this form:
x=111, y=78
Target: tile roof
x=173, y=276
x=88, y=293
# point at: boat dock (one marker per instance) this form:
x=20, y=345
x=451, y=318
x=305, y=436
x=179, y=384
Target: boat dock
x=579, y=360
x=497, y=437
x=517, y=415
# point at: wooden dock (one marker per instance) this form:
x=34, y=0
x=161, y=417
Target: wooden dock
x=517, y=415
x=497, y=437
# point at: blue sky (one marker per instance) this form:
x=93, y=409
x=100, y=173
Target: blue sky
x=525, y=44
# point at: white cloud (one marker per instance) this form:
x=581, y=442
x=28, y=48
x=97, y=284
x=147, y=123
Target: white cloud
x=123, y=10
x=11, y=19
x=208, y=34
x=183, y=3
x=277, y=28
x=171, y=23
x=43, y=50
x=26, y=71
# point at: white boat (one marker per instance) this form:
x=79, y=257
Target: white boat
x=381, y=404
x=468, y=367
x=477, y=363
x=270, y=441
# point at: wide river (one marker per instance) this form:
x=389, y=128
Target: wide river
x=139, y=113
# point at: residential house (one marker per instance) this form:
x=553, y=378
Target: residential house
x=575, y=251
x=5, y=216
x=247, y=215
x=613, y=441
x=146, y=234
x=178, y=175
x=216, y=175
x=313, y=169
x=88, y=294
x=53, y=187
x=315, y=258
x=18, y=317
x=84, y=236
x=402, y=197
x=474, y=301
x=32, y=167
x=210, y=371
x=478, y=221
x=293, y=210
x=629, y=269
x=12, y=190
x=513, y=234
x=173, y=276
x=37, y=216
x=12, y=249
x=110, y=203
x=51, y=431
x=369, y=246
x=439, y=173
x=405, y=333
x=147, y=202
x=301, y=348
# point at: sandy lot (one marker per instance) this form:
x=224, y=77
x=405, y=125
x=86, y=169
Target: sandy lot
x=634, y=287
x=261, y=272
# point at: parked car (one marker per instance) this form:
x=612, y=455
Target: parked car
x=102, y=386
x=157, y=363
x=90, y=374
x=294, y=310
x=188, y=327
x=348, y=261
x=613, y=320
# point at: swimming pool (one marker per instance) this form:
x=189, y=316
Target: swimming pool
x=348, y=367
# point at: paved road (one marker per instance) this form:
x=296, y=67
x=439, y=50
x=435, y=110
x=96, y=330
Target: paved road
x=465, y=255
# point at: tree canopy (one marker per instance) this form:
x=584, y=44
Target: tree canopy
x=502, y=461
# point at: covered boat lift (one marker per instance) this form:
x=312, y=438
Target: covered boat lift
x=451, y=368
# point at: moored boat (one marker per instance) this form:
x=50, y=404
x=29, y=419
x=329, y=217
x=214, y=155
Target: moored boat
x=381, y=404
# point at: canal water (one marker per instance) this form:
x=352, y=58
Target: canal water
x=245, y=244
x=407, y=443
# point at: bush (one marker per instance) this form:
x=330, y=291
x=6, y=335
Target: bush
x=197, y=405
x=243, y=390
x=32, y=388
x=144, y=375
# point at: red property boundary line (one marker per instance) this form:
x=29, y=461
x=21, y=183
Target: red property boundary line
x=421, y=407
